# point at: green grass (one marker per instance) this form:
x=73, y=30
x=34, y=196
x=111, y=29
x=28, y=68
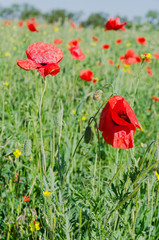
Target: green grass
x=113, y=198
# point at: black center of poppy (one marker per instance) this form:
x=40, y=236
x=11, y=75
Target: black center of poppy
x=124, y=116
x=43, y=64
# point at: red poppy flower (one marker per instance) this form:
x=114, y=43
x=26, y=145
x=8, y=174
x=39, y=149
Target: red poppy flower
x=130, y=57
x=156, y=55
x=32, y=26
x=20, y=23
x=118, y=41
x=26, y=198
x=110, y=61
x=58, y=41
x=42, y=56
x=155, y=98
x=105, y=46
x=118, y=123
x=72, y=24
x=149, y=70
x=95, y=39
x=74, y=42
x=86, y=75
x=141, y=40
x=77, y=52
x=8, y=23
x=115, y=24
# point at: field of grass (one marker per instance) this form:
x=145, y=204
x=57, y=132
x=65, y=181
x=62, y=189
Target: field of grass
x=114, y=197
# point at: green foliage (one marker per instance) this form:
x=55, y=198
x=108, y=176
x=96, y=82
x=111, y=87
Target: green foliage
x=116, y=197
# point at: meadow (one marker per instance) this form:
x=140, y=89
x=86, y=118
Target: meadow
x=108, y=195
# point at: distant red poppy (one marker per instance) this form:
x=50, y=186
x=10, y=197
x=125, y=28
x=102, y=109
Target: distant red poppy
x=141, y=40
x=145, y=58
x=58, y=41
x=130, y=57
x=32, y=26
x=72, y=24
x=110, y=61
x=149, y=70
x=8, y=23
x=105, y=46
x=74, y=42
x=42, y=56
x=118, y=41
x=76, y=52
x=86, y=75
x=155, y=98
x=20, y=23
x=156, y=55
x=118, y=123
x=26, y=198
x=95, y=39
x=115, y=24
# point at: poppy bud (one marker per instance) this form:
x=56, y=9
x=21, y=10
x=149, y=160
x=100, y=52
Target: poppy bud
x=27, y=147
x=97, y=95
x=87, y=134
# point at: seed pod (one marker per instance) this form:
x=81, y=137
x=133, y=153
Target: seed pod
x=27, y=147
x=87, y=134
x=97, y=95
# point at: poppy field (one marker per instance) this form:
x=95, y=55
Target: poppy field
x=79, y=139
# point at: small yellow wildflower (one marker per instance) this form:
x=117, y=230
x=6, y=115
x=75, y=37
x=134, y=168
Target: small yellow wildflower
x=46, y=193
x=148, y=56
x=87, y=51
x=17, y=153
x=56, y=29
x=44, y=33
x=14, y=27
x=32, y=227
x=74, y=111
x=14, y=48
x=157, y=86
x=30, y=159
x=83, y=118
x=127, y=65
x=5, y=84
x=157, y=175
x=27, y=35
x=37, y=226
x=7, y=54
x=93, y=44
x=128, y=44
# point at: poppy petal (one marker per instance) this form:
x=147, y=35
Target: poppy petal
x=51, y=69
x=44, y=53
x=27, y=64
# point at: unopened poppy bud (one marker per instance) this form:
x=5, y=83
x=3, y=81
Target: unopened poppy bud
x=87, y=134
x=97, y=95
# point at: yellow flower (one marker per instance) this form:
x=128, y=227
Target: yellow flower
x=56, y=29
x=74, y=111
x=5, y=84
x=32, y=227
x=37, y=225
x=17, y=153
x=46, y=193
x=7, y=54
x=83, y=118
x=14, y=48
x=128, y=44
x=93, y=44
x=148, y=56
x=87, y=51
x=157, y=86
x=30, y=159
x=127, y=65
x=44, y=33
x=157, y=175
x=14, y=27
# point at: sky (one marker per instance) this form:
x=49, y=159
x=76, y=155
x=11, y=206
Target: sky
x=129, y=8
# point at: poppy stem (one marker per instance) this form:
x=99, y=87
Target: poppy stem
x=40, y=119
x=89, y=123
